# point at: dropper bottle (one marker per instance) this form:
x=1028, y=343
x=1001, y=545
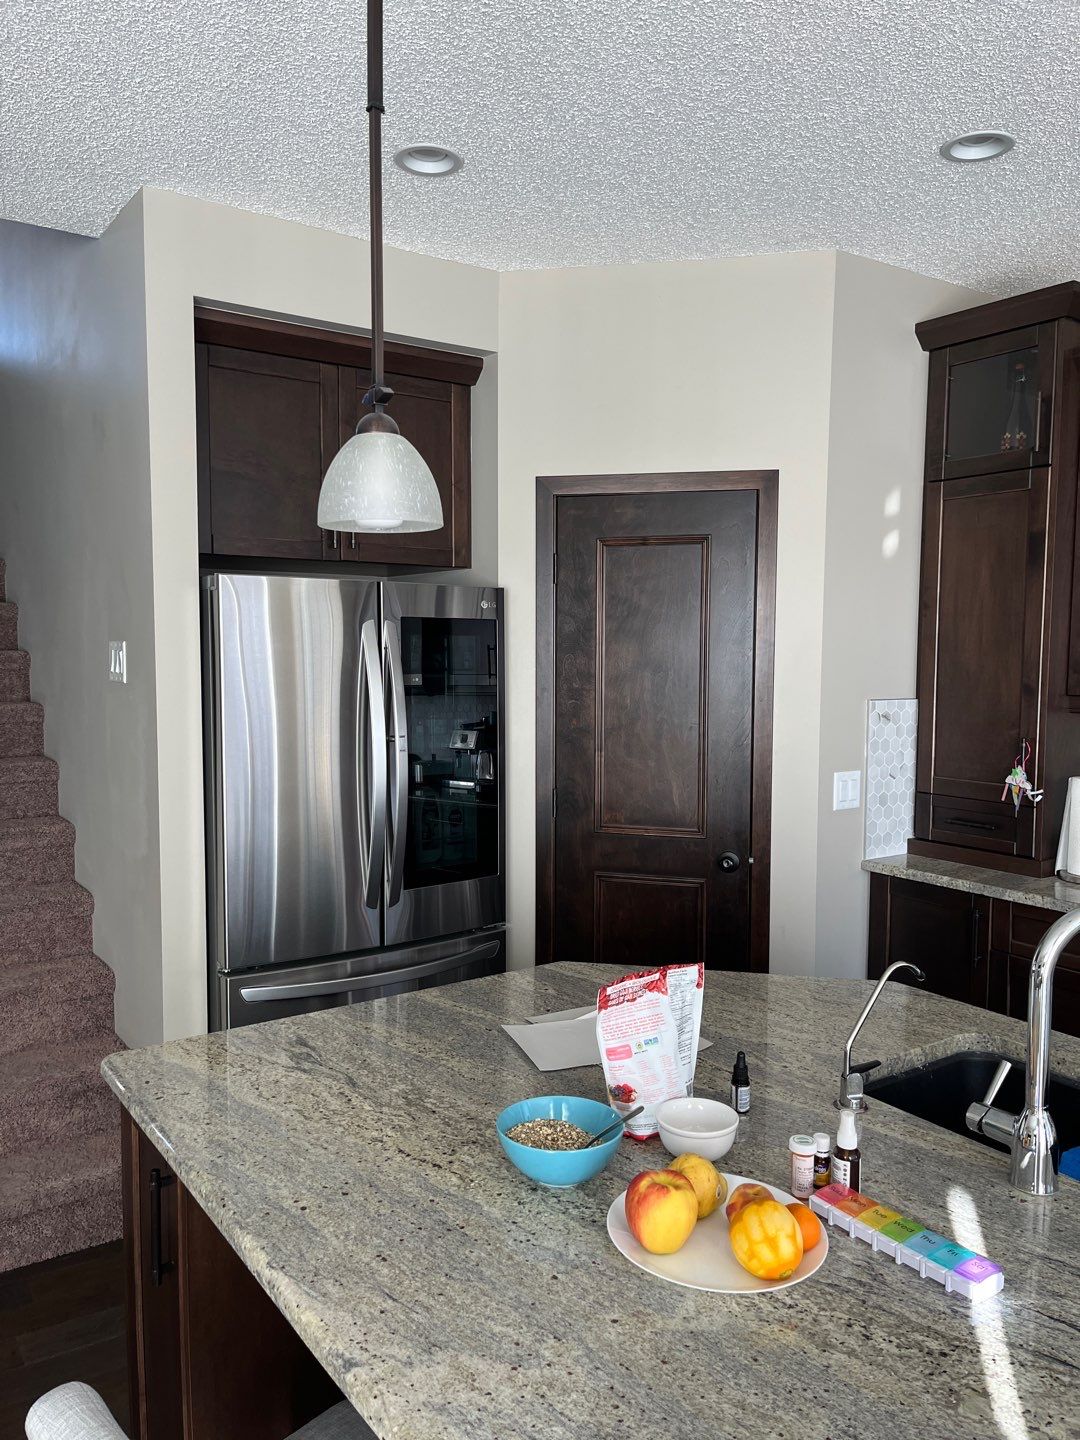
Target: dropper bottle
x=740, y=1085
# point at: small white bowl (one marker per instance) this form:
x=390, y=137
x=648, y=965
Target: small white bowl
x=703, y=1127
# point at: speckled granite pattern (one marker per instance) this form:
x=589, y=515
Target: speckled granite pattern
x=1048, y=894
x=350, y=1158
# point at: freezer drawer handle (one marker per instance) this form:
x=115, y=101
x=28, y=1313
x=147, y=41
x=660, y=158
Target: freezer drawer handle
x=303, y=990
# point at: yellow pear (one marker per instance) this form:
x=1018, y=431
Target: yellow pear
x=710, y=1187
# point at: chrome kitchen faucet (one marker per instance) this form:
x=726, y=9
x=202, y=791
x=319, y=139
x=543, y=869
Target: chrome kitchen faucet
x=1031, y=1134
x=851, y=1078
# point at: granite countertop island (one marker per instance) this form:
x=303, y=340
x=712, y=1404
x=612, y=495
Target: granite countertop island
x=350, y=1159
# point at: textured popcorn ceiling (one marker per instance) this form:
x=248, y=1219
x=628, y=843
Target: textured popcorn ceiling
x=593, y=131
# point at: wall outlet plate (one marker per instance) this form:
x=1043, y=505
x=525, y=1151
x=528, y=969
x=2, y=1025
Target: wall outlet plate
x=118, y=661
x=845, y=789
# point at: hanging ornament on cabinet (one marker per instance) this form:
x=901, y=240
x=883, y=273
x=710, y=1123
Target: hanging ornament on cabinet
x=1017, y=779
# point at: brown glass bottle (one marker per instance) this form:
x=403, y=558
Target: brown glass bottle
x=847, y=1157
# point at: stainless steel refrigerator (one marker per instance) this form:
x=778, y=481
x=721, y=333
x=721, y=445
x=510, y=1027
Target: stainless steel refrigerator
x=354, y=759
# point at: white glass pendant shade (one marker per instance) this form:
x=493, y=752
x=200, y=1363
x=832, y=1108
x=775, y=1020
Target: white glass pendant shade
x=378, y=482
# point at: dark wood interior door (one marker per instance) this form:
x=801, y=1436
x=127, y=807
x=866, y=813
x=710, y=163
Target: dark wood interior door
x=654, y=691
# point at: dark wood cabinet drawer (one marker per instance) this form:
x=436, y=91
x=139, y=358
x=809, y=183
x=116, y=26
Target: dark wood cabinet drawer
x=981, y=827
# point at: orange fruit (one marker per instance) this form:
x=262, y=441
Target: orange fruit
x=808, y=1223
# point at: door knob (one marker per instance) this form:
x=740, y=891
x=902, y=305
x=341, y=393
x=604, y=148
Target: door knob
x=729, y=862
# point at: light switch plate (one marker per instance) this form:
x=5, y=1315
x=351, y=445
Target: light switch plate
x=845, y=789
x=118, y=661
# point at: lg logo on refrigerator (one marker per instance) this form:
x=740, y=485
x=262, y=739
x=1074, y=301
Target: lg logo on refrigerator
x=487, y=604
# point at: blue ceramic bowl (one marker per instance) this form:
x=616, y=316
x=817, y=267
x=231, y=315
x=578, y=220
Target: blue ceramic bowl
x=559, y=1169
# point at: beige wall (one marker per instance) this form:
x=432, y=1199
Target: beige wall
x=877, y=416
x=707, y=365
x=75, y=526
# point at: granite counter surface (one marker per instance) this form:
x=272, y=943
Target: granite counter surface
x=1047, y=894
x=350, y=1159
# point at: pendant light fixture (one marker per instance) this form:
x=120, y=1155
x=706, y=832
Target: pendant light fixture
x=378, y=481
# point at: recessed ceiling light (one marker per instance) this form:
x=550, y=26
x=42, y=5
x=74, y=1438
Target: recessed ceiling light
x=428, y=160
x=982, y=145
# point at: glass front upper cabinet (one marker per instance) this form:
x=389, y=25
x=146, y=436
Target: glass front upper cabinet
x=994, y=396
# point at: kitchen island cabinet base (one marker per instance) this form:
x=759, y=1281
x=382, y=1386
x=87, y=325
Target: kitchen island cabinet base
x=210, y=1354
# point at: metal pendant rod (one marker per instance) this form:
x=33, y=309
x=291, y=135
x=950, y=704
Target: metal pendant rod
x=375, y=114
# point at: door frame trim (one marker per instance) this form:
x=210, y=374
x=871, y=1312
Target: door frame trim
x=549, y=490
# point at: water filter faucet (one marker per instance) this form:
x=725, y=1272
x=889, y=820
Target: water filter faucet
x=851, y=1079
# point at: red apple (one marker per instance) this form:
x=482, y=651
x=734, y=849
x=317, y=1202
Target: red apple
x=661, y=1210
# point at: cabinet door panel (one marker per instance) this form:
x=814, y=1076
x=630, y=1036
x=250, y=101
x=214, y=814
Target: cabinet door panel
x=944, y=932
x=151, y=1246
x=1065, y=1011
x=981, y=644
x=997, y=396
x=262, y=453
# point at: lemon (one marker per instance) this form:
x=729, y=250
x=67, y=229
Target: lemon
x=710, y=1187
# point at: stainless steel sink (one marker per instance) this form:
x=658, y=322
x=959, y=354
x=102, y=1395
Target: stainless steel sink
x=942, y=1091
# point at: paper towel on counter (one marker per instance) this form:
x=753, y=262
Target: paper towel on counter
x=1067, y=863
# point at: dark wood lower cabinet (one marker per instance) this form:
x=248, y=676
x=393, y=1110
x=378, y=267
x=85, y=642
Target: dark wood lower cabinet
x=210, y=1354
x=969, y=947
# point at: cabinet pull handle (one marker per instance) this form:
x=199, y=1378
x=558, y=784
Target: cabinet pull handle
x=970, y=824
x=158, y=1266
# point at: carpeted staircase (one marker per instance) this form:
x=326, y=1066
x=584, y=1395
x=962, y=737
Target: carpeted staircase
x=59, y=1139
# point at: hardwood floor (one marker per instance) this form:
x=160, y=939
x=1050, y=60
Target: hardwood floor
x=63, y=1320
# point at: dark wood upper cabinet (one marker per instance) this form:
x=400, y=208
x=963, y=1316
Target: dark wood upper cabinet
x=999, y=632
x=276, y=401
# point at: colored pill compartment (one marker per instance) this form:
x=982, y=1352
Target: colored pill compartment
x=870, y=1225
x=916, y=1248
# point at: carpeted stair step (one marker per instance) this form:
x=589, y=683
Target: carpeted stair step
x=69, y=997
x=14, y=675
x=36, y=850
x=45, y=920
x=22, y=728
x=28, y=787
x=60, y=1199
x=51, y=1093
x=9, y=625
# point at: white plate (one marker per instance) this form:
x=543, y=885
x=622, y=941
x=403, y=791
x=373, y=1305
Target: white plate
x=706, y=1262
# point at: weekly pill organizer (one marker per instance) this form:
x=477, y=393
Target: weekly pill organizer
x=934, y=1256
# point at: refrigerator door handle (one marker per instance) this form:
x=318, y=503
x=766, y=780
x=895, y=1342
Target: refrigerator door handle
x=372, y=783
x=398, y=748
x=309, y=989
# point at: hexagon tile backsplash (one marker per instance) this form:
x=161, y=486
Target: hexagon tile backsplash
x=890, y=776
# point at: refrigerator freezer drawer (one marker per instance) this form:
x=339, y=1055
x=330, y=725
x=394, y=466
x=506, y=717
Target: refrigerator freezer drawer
x=251, y=996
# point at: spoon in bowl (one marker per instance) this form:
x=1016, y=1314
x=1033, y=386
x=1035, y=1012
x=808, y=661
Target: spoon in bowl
x=607, y=1130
